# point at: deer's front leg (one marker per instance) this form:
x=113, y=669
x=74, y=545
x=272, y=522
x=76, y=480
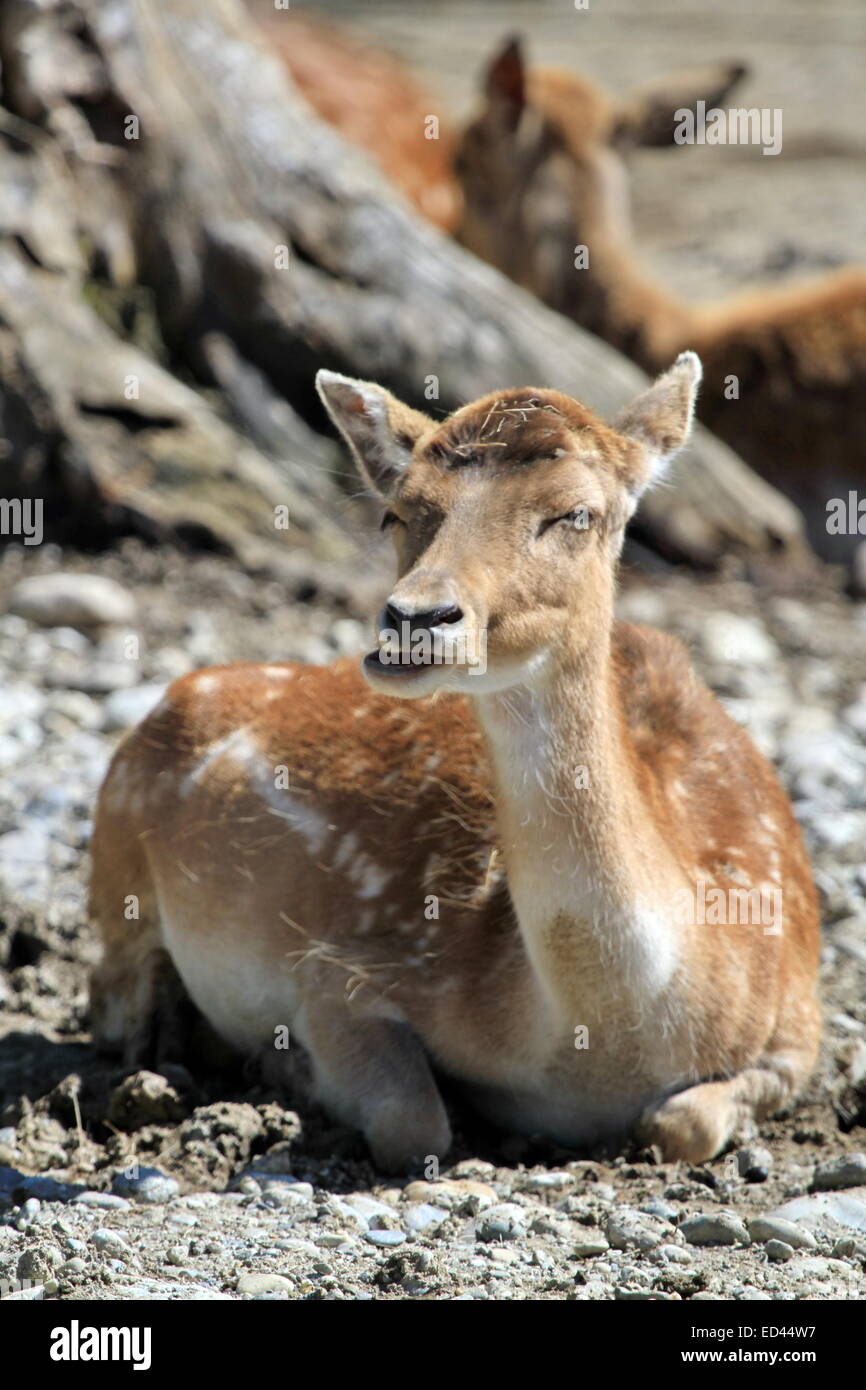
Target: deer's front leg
x=373, y=1074
x=697, y=1123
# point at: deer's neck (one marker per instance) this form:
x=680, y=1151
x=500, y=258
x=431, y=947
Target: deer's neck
x=587, y=869
x=609, y=293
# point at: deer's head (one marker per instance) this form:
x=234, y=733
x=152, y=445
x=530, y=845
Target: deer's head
x=541, y=165
x=508, y=520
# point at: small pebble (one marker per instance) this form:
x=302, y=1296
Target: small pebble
x=507, y=1221
x=586, y=1249
x=386, y=1239
x=754, y=1164
x=847, y=1171
x=627, y=1229
x=106, y=1200
x=257, y=1285
x=108, y=1242
x=778, y=1251
x=71, y=600
x=422, y=1216
x=722, y=1228
x=766, y=1228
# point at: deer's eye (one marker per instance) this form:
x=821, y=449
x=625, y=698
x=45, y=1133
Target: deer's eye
x=390, y=519
x=579, y=519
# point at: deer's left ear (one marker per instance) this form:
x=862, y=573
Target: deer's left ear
x=660, y=421
x=380, y=430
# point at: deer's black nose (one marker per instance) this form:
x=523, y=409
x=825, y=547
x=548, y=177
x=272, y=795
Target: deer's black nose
x=446, y=613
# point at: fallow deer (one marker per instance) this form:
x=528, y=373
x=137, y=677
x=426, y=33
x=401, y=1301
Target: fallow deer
x=376, y=103
x=542, y=175
x=478, y=866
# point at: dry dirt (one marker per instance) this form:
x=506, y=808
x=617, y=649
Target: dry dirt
x=791, y=664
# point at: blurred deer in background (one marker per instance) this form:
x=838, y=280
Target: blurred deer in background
x=375, y=102
x=487, y=874
x=542, y=174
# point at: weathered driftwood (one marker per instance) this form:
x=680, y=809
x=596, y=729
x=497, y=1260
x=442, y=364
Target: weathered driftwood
x=114, y=437
x=247, y=217
x=106, y=435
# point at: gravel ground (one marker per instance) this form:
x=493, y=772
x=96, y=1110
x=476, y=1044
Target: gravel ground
x=204, y=1186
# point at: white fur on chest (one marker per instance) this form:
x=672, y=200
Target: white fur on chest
x=598, y=940
x=628, y=948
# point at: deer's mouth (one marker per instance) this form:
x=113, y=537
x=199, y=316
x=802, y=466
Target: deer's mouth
x=387, y=662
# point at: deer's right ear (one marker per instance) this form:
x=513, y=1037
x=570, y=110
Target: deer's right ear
x=660, y=421
x=380, y=430
x=505, y=82
x=649, y=115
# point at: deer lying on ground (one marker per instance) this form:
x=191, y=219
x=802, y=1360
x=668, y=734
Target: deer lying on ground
x=376, y=103
x=479, y=865
x=542, y=176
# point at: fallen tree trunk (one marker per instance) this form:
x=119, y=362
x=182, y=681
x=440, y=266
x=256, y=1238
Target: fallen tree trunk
x=250, y=219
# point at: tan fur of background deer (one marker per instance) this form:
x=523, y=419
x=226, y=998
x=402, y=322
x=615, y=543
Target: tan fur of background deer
x=466, y=877
x=542, y=174
x=375, y=102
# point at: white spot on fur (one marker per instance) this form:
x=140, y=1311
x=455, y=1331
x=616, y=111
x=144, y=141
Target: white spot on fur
x=346, y=850
x=310, y=824
x=238, y=744
x=367, y=876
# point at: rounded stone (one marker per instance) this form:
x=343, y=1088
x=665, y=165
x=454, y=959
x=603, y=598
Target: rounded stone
x=778, y=1251
x=72, y=600
x=721, y=1228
